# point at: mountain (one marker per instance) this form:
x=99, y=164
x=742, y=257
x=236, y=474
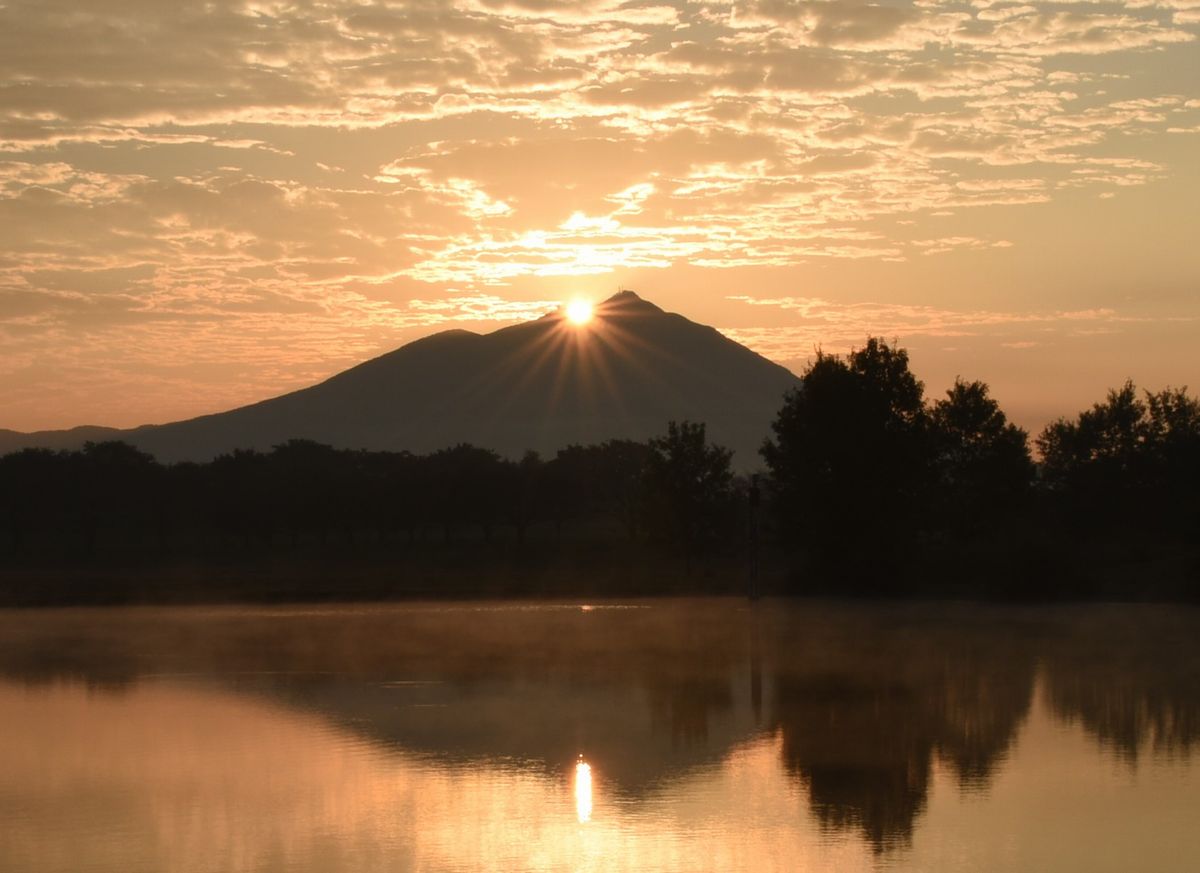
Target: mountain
x=538, y=385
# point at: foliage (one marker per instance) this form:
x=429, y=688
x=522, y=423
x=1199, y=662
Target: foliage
x=870, y=486
x=849, y=454
x=1104, y=445
x=688, y=487
x=981, y=462
x=113, y=496
x=1128, y=456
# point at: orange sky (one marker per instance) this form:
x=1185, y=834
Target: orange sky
x=202, y=205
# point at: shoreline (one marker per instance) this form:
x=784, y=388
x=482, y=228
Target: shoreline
x=585, y=575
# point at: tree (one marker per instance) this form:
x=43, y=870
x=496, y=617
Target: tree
x=34, y=494
x=244, y=499
x=310, y=483
x=617, y=472
x=598, y=481
x=850, y=455
x=119, y=490
x=524, y=492
x=465, y=482
x=1127, y=458
x=688, y=487
x=981, y=462
x=1102, y=448
x=1173, y=435
x=894, y=392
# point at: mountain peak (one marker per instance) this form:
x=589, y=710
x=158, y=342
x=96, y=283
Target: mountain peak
x=538, y=385
x=626, y=302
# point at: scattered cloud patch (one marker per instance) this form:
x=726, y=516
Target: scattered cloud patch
x=818, y=322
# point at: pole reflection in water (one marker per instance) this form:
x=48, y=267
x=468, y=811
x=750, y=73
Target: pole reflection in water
x=583, y=791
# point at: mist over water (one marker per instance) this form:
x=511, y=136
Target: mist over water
x=657, y=735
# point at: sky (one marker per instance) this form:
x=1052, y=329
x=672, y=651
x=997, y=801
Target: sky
x=207, y=204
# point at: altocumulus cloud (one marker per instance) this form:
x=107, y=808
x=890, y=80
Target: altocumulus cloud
x=267, y=190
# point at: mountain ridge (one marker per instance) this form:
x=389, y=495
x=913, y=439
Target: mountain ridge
x=541, y=385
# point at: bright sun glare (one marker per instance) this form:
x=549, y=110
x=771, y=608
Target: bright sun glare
x=579, y=312
x=583, y=791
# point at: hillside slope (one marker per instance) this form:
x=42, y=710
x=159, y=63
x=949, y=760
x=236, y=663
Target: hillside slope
x=537, y=385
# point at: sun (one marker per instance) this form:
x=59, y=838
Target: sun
x=579, y=312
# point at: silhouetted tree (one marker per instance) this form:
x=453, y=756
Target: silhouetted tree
x=242, y=498
x=850, y=455
x=569, y=485
x=617, y=474
x=1173, y=428
x=310, y=482
x=982, y=463
x=466, y=486
x=603, y=481
x=689, y=487
x=1173, y=433
x=34, y=494
x=117, y=489
x=863, y=474
x=525, y=492
x=1102, y=448
x=1127, y=459
x=396, y=486
x=184, y=510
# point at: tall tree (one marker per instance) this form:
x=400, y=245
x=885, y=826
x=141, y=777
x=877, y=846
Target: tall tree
x=35, y=496
x=118, y=490
x=1102, y=448
x=981, y=461
x=689, y=487
x=1126, y=458
x=850, y=455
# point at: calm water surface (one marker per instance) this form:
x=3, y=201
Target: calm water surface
x=671, y=735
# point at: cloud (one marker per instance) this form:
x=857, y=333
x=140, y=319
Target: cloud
x=483, y=308
x=188, y=179
x=819, y=322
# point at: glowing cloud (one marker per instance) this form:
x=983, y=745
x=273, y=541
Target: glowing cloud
x=232, y=199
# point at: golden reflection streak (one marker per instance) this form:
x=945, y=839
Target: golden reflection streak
x=583, y=791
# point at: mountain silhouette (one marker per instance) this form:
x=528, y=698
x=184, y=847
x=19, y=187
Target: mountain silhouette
x=539, y=385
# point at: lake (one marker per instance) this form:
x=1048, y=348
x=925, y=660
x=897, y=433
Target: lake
x=670, y=735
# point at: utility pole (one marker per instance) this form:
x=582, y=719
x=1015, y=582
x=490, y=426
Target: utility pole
x=755, y=497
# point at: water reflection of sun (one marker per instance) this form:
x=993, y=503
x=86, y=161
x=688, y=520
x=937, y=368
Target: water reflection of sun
x=583, y=791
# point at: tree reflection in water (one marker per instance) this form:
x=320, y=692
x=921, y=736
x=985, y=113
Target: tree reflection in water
x=865, y=711
x=865, y=700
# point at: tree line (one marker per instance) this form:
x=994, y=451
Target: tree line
x=110, y=496
x=870, y=478
x=866, y=485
